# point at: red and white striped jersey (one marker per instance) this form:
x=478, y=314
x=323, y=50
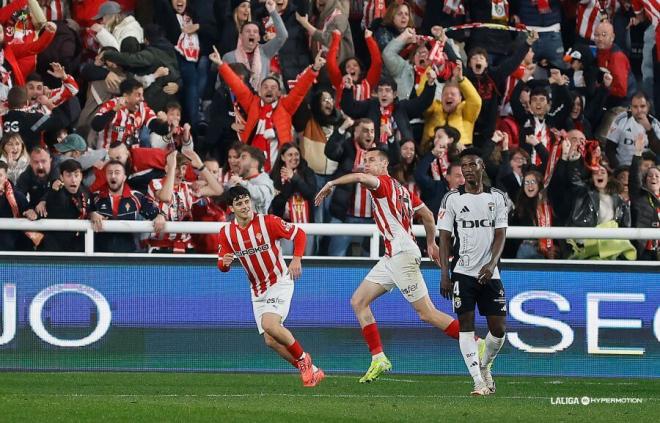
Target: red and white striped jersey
x=361, y=205
x=394, y=208
x=126, y=125
x=57, y=96
x=589, y=14
x=57, y=10
x=257, y=247
x=178, y=210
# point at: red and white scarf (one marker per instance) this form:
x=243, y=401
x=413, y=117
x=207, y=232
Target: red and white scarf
x=265, y=134
x=544, y=219
x=253, y=65
x=385, y=120
x=439, y=167
x=35, y=237
x=188, y=44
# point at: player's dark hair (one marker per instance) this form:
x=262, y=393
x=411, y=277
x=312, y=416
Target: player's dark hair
x=70, y=166
x=381, y=152
x=236, y=193
x=472, y=151
x=129, y=85
x=4, y=165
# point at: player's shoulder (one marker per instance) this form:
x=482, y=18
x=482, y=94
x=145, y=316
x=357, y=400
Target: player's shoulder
x=449, y=197
x=499, y=194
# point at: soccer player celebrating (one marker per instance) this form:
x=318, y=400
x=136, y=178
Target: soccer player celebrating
x=478, y=214
x=394, y=210
x=254, y=240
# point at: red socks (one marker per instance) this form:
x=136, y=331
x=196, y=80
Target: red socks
x=296, y=350
x=371, y=335
x=453, y=329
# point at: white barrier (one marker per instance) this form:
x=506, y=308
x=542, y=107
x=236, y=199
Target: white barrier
x=323, y=229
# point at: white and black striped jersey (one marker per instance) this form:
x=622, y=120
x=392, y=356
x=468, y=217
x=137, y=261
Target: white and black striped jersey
x=473, y=218
x=624, y=130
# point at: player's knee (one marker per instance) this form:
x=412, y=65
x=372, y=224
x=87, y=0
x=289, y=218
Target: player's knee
x=270, y=341
x=498, y=331
x=358, y=303
x=269, y=326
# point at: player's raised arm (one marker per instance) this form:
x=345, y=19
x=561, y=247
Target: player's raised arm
x=368, y=181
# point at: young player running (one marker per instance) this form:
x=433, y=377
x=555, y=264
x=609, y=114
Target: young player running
x=478, y=216
x=394, y=208
x=254, y=240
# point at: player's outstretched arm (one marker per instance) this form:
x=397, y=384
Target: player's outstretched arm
x=369, y=182
x=445, y=282
x=429, y=227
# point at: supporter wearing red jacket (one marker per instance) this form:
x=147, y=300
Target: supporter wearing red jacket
x=269, y=124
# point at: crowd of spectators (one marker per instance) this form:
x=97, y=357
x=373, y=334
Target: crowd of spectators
x=152, y=109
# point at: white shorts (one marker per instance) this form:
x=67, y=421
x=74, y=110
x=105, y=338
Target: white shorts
x=276, y=299
x=400, y=271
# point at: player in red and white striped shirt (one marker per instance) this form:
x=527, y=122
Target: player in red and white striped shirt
x=122, y=118
x=254, y=240
x=394, y=208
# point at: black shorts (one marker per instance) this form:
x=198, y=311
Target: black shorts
x=467, y=292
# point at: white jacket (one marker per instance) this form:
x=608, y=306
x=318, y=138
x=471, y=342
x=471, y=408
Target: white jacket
x=129, y=27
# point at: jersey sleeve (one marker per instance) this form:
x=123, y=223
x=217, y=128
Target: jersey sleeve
x=417, y=202
x=279, y=229
x=106, y=107
x=149, y=115
x=501, y=210
x=446, y=214
x=383, y=189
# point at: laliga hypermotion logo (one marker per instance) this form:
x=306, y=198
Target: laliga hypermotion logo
x=37, y=306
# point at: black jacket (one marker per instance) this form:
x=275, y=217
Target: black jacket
x=303, y=183
x=586, y=203
x=643, y=203
x=34, y=188
x=9, y=240
x=341, y=148
x=132, y=206
x=404, y=110
x=490, y=86
x=557, y=117
x=167, y=19
x=432, y=191
x=63, y=205
x=31, y=125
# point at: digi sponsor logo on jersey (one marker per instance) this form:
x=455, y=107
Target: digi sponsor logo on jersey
x=477, y=223
x=252, y=250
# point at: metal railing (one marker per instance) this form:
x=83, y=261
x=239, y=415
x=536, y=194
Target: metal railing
x=322, y=229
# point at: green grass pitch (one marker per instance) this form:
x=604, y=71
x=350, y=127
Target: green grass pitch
x=225, y=397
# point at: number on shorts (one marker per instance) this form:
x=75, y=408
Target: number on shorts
x=456, y=289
